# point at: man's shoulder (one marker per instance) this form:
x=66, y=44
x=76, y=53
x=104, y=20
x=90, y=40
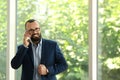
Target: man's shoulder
x=49, y=41
x=20, y=45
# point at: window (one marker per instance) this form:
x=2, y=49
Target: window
x=108, y=40
x=66, y=22
x=3, y=38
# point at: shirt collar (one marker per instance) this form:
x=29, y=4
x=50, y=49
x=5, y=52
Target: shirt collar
x=40, y=43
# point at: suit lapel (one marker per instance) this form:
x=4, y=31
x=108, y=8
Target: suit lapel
x=31, y=53
x=43, y=52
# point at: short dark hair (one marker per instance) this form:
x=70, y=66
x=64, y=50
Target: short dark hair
x=30, y=21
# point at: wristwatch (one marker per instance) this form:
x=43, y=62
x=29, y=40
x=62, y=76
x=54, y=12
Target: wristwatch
x=47, y=71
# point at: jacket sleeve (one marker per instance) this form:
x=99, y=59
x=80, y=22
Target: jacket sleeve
x=60, y=63
x=18, y=58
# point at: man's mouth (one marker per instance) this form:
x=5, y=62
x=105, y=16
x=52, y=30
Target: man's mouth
x=35, y=35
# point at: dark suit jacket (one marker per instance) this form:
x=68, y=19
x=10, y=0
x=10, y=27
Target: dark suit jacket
x=51, y=57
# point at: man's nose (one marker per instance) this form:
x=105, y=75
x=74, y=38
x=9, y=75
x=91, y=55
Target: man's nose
x=35, y=31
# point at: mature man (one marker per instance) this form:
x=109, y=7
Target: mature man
x=41, y=59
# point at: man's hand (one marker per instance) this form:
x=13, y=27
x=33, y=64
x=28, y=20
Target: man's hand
x=42, y=70
x=26, y=39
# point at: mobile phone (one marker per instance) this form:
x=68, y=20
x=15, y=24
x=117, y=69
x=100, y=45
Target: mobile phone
x=29, y=40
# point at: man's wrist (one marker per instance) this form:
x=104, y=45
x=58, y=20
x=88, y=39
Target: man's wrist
x=47, y=71
x=25, y=46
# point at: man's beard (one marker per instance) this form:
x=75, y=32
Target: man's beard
x=36, y=39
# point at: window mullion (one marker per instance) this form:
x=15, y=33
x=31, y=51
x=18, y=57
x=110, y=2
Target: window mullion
x=11, y=38
x=93, y=39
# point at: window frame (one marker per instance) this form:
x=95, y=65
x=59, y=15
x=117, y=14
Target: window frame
x=93, y=21
x=11, y=38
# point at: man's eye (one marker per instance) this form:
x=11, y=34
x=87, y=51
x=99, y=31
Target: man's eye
x=31, y=30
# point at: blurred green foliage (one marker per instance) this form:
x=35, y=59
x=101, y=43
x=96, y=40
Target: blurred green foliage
x=109, y=39
x=3, y=38
x=66, y=21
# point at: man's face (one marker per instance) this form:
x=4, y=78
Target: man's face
x=34, y=30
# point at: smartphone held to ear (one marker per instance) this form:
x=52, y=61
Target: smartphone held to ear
x=29, y=40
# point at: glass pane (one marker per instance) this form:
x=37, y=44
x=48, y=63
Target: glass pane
x=3, y=38
x=25, y=10
x=109, y=40
x=65, y=21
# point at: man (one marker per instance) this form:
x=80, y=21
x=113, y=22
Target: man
x=41, y=59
